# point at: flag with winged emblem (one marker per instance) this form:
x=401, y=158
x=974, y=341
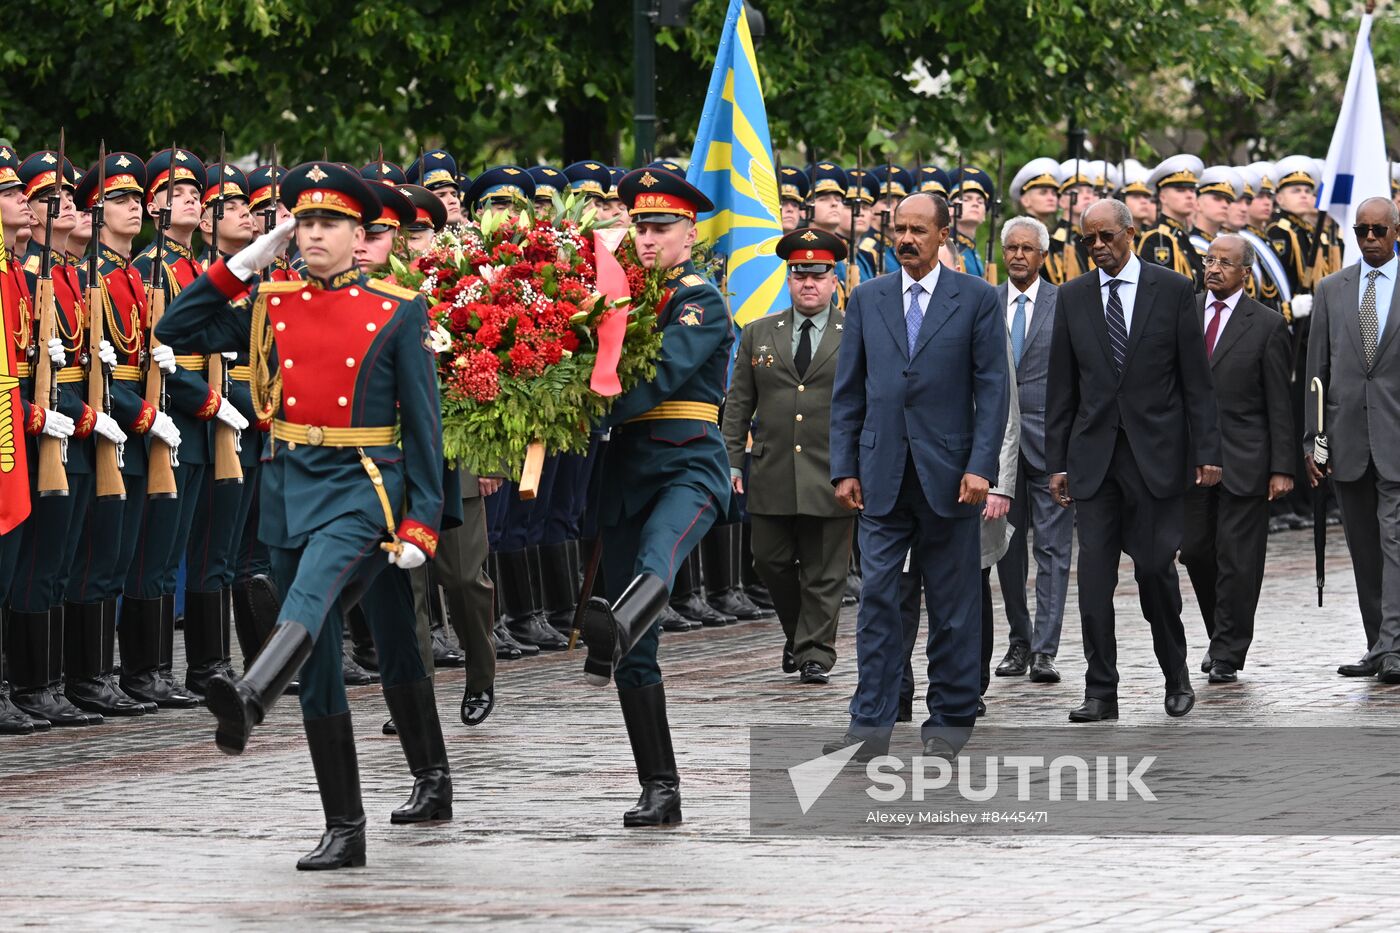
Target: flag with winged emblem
x=732, y=163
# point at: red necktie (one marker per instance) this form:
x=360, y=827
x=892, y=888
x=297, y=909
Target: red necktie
x=1213, y=329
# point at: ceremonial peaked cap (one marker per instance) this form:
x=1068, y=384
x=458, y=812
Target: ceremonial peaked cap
x=328, y=189
x=660, y=197
x=434, y=170
x=181, y=164
x=809, y=250
x=126, y=174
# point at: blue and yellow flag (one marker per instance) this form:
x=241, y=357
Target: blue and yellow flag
x=732, y=163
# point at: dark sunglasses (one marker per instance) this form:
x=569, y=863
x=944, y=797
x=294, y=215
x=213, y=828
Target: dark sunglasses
x=1103, y=236
x=1363, y=231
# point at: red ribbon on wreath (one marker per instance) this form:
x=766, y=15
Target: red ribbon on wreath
x=612, y=329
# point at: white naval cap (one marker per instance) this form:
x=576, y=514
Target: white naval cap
x=1184, y=170
x=1295, y=170
x=1222, y=180
x=1043, y=172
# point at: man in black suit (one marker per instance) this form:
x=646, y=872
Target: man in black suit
x=1129, y=405
x=1227, y=526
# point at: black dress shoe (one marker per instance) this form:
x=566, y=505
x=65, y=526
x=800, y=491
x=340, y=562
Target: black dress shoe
x=1094, y=710
x=444, y=654
x=789, y=659
x=1223, y=672
x=758, y=595
x=1178, y=704
x=389, y=727
x=477, y=706
x=1043, y=669
x=534, y=629
x=1206, y=663
x=814, y=673
x=1389, y=672
x=1362, y=668
x=504, y=637
x=673, y=621
x=1014, y=664
x=981, y=707
x=355, y=675
x=873, y=748
x=934, y=747
x=906, y=711
x=694, y=608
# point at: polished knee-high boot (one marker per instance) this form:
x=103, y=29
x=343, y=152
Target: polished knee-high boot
x=332, y=743
x=414, y=709
x=644, y=711
x=242, y=704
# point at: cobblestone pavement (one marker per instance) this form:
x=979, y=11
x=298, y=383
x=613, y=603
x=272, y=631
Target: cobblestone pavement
x=142, y=823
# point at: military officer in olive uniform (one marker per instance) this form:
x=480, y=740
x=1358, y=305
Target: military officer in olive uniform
x=665, y=476
x=354, y=470
x=781, y=392
x=1169, y=243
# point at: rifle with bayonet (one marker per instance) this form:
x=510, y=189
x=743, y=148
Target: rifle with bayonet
x=956, y=195
x=110, y=484
x=270, y=211
x=53, y=451
x=993, y=214
x=162, y=460
x=227, y=469
x=852, y=265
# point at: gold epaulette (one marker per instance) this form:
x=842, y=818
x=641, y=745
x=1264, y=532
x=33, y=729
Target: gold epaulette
x=389, y=288
x=280, y=288
x=32, y=264
x=1060, y=234
x=1285, y=223
x=692, y=280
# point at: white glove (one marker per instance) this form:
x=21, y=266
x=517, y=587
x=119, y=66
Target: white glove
x=164, y=430
x=107, y=427
x=57, y=424
x=1301, y=306
x=56, y=352
x=230, y=415
x=230, y=355
x=410, y=557
x=106, y=355
x=260, y=254
x=164, y=357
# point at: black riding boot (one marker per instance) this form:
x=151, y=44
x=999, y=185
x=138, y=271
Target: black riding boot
x=611, y=631
x=508, y=648
x=167, y=650
x=414, y=709
x=359, y=665
x=332, y=743
x=523, y=602
x=753, y=587
x=204, y=640
x=559, y=580
x=141, y=634
x=688, y=595
x=13, y=720
x=241, y=704
x=36, y=663
x=644, y=711
x=723, y=581
x=87, y=662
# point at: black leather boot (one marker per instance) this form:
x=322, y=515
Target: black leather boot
x=141, y=635
x=687, y=596
x=558, y=583
x=13, y=720
x=414, y=709
x=38, y=674
x=87, y=663
x=673, y=621
x=611, y=631
x=168, y=624
x=723, y=582
x=204, y=643
x=445, y=654
x=241, y=704
x=360, y=663
x=522, y=601
x=507, y=647
x=331, y=741
x=644, y=711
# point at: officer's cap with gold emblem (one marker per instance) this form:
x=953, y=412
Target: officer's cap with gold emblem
x=1250, y=177
x=590, y=178
x=508, y=184
x=656, y=196
x=1178, y=171
x=1265, y=171
x=670, y=165
x=39, y=174
x=436, y=169
x=125, y=174
x=1043, y=172
x=1076, y=172
x=328, y=189
x=380, y=170
x=892, y=181
x=809, y=250
x=224, y=182
x=615, y=174
x=1134, y=179
x=827, y=178
x=1295, y=170
x=395, y=209
x=549, y=181
x=429, y=213
x=9, y=169
x=933, y=180
x=260, y=184
x=972, y=180
x=179, y=164
x=862, y=186
x=793, y=184
x=1221, y=180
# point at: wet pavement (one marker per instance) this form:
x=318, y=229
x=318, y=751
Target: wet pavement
x=142, y=822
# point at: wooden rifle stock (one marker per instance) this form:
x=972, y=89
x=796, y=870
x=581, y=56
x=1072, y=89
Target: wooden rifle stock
x=110, y=484
x=160, y=468
x=53, y=477
x=227, y=469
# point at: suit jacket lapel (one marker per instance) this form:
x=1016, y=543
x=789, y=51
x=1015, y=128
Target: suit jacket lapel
x=1391, y=324
x=782, y=340
x=1099, y=322
x=941, y=305
x=1044, y=298
x=892, y=311
x=1143, y=302
x=831, y=337
x=1351, y=292
x=1241, y=319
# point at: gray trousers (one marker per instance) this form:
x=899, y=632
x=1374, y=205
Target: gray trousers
x=803, y=560
x=459, y=569
x=1033, y=507
x=1370, y=509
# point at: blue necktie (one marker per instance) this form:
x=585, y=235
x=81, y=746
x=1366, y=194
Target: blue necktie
x=1117, y=327
x=1018, y=329
x=914, y=317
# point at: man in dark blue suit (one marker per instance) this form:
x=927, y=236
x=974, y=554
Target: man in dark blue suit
x=917, y=416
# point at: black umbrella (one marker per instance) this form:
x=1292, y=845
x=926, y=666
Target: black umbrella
x=1320, y=496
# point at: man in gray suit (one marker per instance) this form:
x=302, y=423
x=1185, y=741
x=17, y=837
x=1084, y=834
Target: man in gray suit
x=781, y=391
x=1352, y=350
x=1029, y=302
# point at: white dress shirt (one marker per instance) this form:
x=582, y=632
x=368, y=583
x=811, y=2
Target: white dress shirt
x=929, y=283
x=1012, y=294
x=1127, y=277
x=1230, y=303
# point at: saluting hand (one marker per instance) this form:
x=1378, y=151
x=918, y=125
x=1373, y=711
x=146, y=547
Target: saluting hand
x=260, y=254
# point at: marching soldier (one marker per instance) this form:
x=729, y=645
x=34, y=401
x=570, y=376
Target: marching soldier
x=665, y=475
x=436, y=170
x=336, y=486
x=972, y=191
x=1169, y=244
